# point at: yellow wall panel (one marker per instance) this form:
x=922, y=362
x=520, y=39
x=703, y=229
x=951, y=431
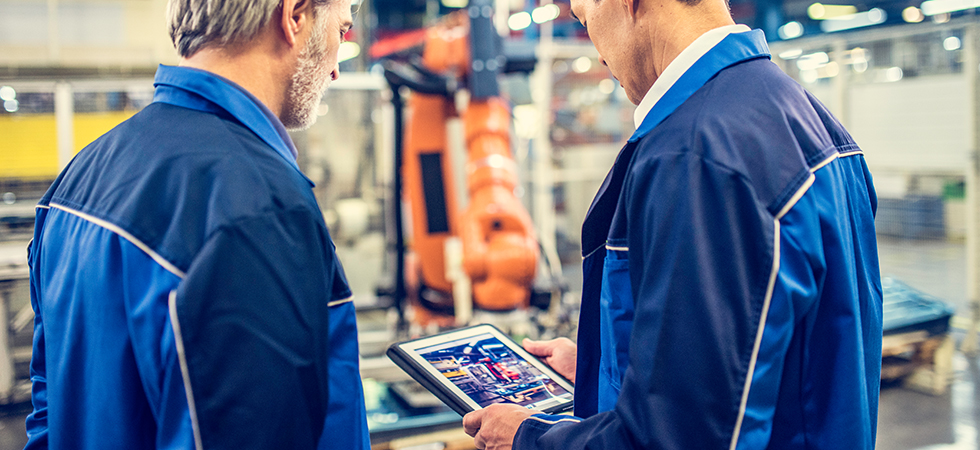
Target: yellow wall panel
x=29, y=143
x=28, y=146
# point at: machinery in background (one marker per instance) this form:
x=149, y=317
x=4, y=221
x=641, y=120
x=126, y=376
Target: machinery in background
x=486, y=256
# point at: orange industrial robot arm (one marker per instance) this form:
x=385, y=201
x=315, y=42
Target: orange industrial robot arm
x=500, y=251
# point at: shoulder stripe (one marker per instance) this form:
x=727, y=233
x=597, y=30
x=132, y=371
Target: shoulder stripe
x=796, y=197
x=617, y=249
x=41, y=207
x=825, y=162
x=125, y=235
x=184, y=372
x=340, y=302
x=758, y=336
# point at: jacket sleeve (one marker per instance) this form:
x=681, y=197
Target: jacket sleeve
x=700, y=258
x=252, y=324
x=37, y=420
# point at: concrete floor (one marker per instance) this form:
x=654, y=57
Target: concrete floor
x=907, y=420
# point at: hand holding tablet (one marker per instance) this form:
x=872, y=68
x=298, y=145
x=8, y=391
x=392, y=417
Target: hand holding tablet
x=472, y=368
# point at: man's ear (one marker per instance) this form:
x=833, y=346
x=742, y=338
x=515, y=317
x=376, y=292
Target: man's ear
x=296, y=15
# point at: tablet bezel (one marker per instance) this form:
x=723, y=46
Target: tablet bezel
x=411, y=350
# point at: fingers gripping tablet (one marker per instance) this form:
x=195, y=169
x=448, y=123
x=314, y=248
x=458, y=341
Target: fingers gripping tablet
x=472, y=368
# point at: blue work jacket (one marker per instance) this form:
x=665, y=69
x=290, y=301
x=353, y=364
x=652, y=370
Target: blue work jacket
x=186, y=290
x=731, y=298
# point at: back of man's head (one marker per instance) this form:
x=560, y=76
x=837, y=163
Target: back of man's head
x=196, y=24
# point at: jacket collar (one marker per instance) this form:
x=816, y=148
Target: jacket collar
x=204, y=91
x=733, y=49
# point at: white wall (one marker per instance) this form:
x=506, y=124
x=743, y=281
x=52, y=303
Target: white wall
x=917, y=124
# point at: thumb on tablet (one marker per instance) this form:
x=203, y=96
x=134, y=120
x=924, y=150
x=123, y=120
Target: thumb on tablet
x=559, y=353
x=537, y=348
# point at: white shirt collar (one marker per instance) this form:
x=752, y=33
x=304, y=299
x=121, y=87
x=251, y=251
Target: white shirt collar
x=679, y=65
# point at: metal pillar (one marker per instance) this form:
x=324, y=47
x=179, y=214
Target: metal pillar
x=544, y=178
x=64, y=115
x=970, y=71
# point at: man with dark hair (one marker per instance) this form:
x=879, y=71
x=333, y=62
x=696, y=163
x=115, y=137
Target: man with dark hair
x=732, y=298
x=186, y=289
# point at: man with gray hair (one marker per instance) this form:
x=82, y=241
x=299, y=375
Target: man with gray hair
x=186, y=289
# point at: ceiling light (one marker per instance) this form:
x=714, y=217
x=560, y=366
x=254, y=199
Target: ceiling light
x=519, y=21
x=912, y=15
x=952, y=43
x=874, y=16
x=933, y=7
x=7, y=93
x=819, y=11
x=791, y=30
x=545, y=13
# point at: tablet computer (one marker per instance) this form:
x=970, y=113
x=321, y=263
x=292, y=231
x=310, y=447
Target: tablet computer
x=474, y=367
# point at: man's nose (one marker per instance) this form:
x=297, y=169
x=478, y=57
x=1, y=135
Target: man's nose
x=602, y=61
x=334, y=74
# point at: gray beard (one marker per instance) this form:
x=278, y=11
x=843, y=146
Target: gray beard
x=309, y=82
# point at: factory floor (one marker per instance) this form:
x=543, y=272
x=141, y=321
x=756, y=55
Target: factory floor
x=907, y=419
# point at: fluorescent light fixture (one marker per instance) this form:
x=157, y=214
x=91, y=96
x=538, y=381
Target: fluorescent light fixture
x=874, y=16
x=791, y=30
x=519, y=21
x=348, y=50
x=455, y=3
x=819, y=11
x=791, y=54
x=912, y=15
x=545, y=13
x=7, y=93
x=933, y=7
x=952, y=43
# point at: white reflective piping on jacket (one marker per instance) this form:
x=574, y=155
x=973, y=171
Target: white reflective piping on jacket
x=758, y=336
x=769, y=289
x=125, y=235
x=552, y=422
x=617, y=249
x=340, y=302
x=184, y=372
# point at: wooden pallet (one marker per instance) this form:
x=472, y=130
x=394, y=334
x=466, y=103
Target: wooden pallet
x=922, y=362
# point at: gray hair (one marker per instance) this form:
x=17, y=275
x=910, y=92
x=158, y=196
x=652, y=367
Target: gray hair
x=196, y=24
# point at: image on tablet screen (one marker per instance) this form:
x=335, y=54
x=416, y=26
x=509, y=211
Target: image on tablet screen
x=489, y=372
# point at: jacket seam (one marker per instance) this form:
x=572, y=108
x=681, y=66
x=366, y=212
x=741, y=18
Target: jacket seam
x=184, y=370
x=119, y=231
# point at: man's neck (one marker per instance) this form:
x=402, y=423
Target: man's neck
x=253, y=70
x=675, y=27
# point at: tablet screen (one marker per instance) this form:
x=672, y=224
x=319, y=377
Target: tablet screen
x=488, y=372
